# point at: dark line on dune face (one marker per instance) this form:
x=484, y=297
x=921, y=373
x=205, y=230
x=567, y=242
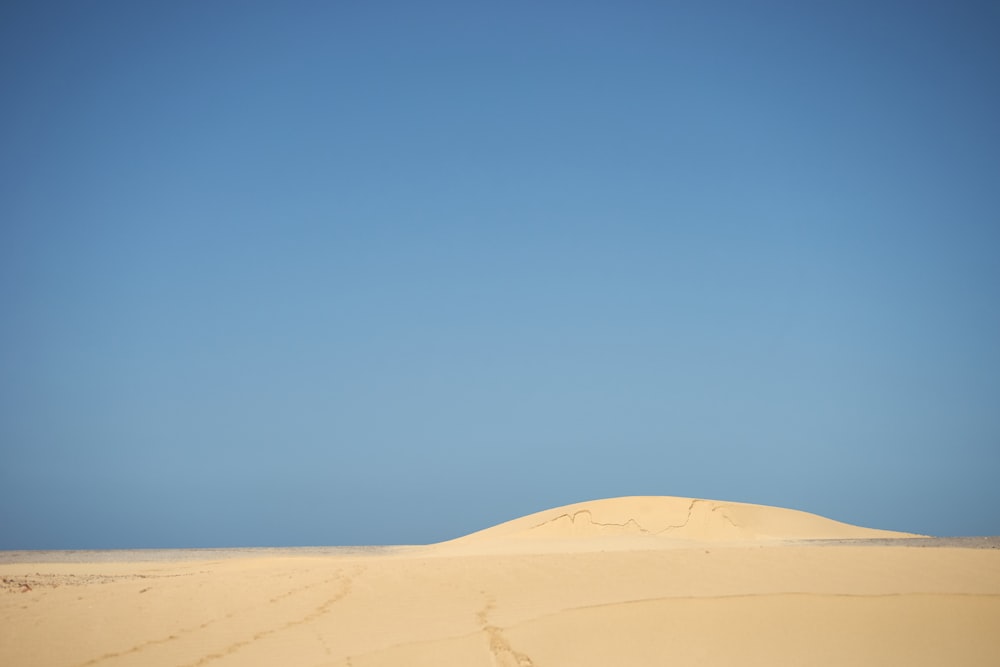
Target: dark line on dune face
x=631, y=522
x=572, y=519
x=721, y=509
x=687, y=519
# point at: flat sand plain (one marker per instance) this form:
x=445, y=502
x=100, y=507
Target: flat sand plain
x=632, y=581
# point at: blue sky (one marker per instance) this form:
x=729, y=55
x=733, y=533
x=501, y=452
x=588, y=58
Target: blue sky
x=353, y=273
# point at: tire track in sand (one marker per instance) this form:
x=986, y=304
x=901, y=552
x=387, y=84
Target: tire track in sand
x=501, y=651
x=345, y=581
x=345, y=588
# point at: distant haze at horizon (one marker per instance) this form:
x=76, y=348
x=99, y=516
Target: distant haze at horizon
x=373, y=273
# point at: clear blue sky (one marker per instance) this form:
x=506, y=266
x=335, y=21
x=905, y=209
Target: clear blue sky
x=365, y=272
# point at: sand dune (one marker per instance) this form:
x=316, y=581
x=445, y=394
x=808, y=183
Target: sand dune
x=632, y=581
x=674, y=518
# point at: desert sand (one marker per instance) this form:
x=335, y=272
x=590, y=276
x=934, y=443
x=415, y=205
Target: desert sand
x=625, y=581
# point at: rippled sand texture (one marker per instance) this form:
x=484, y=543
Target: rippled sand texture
x=603, y=583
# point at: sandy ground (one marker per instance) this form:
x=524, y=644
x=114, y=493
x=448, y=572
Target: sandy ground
x=516, y=596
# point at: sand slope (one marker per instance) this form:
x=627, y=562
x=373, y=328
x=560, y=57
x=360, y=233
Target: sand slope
x=593, y=590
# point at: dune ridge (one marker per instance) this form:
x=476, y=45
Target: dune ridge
x=675, y=518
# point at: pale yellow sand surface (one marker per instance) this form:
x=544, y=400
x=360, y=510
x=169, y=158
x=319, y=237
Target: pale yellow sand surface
x=639, y=581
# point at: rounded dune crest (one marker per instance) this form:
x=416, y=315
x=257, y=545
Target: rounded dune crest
x=675, y=518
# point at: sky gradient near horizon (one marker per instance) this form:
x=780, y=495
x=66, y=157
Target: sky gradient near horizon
x=317, y=273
